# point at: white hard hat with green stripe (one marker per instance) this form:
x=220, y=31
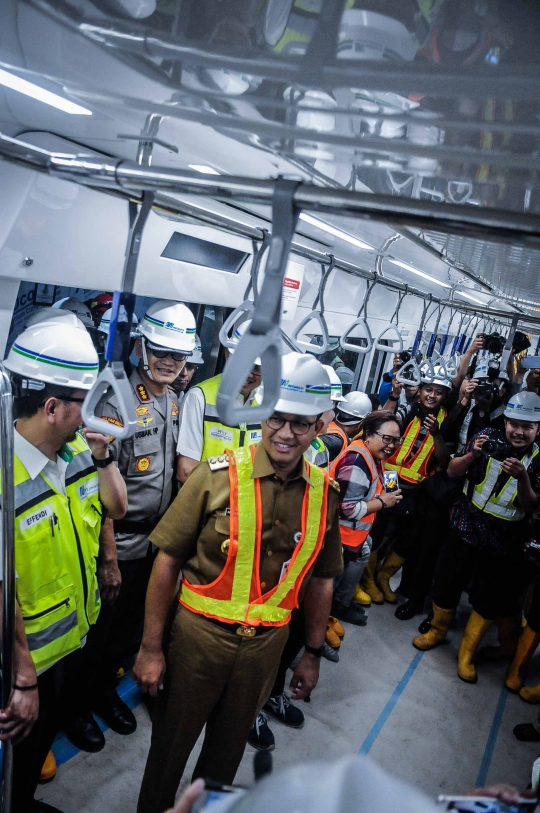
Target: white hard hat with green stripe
x=305, y=386
x=55, y=353
x=335, y=383
x=170, y=325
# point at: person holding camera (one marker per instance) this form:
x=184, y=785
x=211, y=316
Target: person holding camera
x=485, y=397
x=488, y=529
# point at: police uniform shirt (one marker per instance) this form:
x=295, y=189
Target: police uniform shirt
x=195, y=529
x=146, y=461
x=191, y=434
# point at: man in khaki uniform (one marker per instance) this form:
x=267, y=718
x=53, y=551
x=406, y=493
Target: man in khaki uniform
x=230, y=626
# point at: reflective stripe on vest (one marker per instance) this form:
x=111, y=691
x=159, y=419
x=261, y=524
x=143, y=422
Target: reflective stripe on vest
x=355, y=532
x=415, y=469
x=317, y=454
x=500, y=505
x=56, y=546
x=335, y=429
x=216, y=436
x=236, y=595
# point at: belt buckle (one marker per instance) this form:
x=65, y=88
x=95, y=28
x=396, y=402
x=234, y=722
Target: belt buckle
x=246, y=632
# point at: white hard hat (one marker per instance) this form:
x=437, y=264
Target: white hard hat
x=55, y=353
x=71, y=303
x=197, y=356
x=171, y=325
x=440, y=378
x=105, y=324
x=335, y=383
x=525, y=406
x=357, y=405
x=53, y=315
x=305, y=386
x=237, y=335
x=370, y=35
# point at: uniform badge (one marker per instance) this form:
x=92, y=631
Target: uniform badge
x=146, y=420
x=143, y=464
x=141, y=393
x=174, y=410
x=142, y=410
x=114, y=421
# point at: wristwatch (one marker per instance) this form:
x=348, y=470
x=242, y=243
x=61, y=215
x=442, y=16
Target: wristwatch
x=316, y=651
x=378, y=497
x=102, y=464
x=393, y=397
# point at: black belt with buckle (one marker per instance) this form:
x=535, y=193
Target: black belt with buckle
x=241, y=629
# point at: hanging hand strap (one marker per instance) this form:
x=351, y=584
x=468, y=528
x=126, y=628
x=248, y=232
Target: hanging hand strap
x=362, y=323
x=263, y=336
x=316, y=315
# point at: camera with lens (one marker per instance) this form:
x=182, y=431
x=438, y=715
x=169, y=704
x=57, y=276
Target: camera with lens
x=493, y=343
x=497, y=449
x=404, y=356
x=485, y=391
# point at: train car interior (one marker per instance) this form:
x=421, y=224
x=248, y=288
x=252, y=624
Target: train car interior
x=357, y=177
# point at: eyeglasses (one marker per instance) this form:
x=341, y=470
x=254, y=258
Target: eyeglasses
x=64, y=398
x=389, y=440
x=297, y=427
x=163, y=354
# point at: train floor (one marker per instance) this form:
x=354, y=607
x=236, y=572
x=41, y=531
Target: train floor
x=408, y=710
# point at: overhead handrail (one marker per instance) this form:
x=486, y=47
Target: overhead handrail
x=360, y=322
x=392, y=328
x=263, y=336
x=8, y=580
x=113, y=376
x=316, y=315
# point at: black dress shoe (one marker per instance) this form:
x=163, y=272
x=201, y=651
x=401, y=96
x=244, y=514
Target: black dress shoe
x=425, y=626
x=114, y=711
x=408, y=610
x=526, y=732
x=43, y=807
x=84, y=733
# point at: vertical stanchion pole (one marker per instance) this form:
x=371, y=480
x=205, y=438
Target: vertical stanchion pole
x=8, y=560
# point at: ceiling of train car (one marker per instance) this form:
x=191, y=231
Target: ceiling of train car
x=435, y=100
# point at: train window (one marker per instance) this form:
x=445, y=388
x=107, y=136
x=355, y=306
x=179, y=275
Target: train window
x=193, y=250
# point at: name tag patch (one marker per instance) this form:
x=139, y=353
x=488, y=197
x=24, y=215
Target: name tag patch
x=42, y=513
x=255, y=435
x=219, y=433
x=89, y=488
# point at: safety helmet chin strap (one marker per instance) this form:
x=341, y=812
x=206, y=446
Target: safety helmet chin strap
x=145, y=359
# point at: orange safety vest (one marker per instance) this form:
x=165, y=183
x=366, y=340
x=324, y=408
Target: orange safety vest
x=414, y=470
x=355, y=532
x=236, y=595
x=335, y=429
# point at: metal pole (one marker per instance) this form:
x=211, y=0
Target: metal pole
x=8, y=560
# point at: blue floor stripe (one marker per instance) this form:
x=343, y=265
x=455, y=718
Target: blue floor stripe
x=481, y=779
x=368, y=743
x=64, y=750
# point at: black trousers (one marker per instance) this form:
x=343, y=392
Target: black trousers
x=295, y=642
x=533, y=613
x=495, y=581
x=29, y=755
x=115, y=636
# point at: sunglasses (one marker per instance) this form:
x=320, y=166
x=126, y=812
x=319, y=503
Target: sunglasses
x=163, y=354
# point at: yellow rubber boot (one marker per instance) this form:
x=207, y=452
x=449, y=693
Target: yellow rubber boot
x=48, y=771
x=361, y=597
x=392, y=563
x=367, y=582
x=526, y=648
x=332, y=638
x=338, y=628
x=440, y=624
x=531, y=694
x=474, y=632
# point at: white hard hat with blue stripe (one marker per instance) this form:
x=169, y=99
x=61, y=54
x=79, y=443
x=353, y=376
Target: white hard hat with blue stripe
x=169, y=325
x=524, y=406
x=305, y=386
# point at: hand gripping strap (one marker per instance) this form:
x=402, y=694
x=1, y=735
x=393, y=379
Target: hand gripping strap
x=112, y=377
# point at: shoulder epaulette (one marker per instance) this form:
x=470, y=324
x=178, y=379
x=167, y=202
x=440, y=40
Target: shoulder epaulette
x=219, y=462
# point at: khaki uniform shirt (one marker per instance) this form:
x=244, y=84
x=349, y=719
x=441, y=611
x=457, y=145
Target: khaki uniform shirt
x=197, y=524
x=147, y=461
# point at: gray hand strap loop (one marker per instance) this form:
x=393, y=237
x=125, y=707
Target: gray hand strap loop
x=113, y=377
x=316, y=315
x=409, y=374
x=263, y=336
x=360, y=322
x=233, y=319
